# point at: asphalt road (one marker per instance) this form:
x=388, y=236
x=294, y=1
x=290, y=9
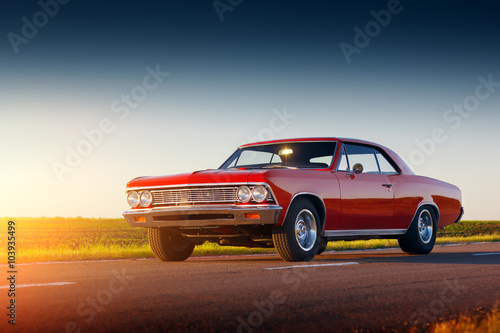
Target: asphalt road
x=342, y=291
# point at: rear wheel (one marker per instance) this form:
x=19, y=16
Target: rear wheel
x=297, y=238
x=169, y=246
x=421, y=235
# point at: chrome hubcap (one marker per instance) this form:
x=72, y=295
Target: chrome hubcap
x=425, y=226
x=305, y=230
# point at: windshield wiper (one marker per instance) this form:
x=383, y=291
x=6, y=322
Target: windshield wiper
x=242, y=168
x=279, y=167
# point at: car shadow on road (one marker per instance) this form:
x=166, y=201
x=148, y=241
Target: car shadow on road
x=461, y=258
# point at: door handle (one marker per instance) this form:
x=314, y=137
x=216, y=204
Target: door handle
x=387, y=185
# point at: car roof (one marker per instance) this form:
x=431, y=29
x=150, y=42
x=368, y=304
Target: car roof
x=310, y=139
x=405, y=169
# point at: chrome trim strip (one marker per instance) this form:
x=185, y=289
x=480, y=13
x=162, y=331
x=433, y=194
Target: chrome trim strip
x=203, y=207
x=188, y=185
x=364, y=232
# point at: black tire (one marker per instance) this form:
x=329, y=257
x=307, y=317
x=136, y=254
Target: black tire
x=297, y=239
x=168, y=246
x=421, y=235
x=322, y=244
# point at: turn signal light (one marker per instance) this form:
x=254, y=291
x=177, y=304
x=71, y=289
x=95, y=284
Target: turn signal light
x=252, y=216
x=140, y=219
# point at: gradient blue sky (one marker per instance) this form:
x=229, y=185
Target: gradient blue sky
x=227, y=80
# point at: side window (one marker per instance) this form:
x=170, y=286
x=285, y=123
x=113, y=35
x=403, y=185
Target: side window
x=343, y=164
x=385, y=167
x=363, y=155
x=276, y=159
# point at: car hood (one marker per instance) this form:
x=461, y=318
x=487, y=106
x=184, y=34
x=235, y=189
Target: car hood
x=204, y=177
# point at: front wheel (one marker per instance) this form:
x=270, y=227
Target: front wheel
x=168, y=245
x=297, y=238
x=322, y=244
x=421, y=235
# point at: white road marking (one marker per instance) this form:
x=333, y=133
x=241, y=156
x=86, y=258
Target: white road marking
x=309, y=266
x=39, y=285
x=486, y=254
x=77, y=261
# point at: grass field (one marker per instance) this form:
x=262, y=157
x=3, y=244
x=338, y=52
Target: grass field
x=483, y=322
x=56, y=239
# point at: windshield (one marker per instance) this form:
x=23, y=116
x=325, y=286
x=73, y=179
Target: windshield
x=291, y=155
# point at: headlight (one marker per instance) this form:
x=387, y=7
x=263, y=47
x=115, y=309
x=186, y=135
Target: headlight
x=133, y=199
x=146, y=198
x=244, y=194
x=259, y=193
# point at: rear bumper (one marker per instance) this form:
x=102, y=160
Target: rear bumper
x=202, y=216
x=461, y=214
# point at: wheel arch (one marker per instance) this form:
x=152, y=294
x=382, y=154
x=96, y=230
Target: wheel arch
x=317, y=203
x=432, y=206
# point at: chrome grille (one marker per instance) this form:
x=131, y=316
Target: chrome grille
x=195, y=195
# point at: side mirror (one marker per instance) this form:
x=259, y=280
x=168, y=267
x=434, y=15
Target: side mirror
x=356, y=169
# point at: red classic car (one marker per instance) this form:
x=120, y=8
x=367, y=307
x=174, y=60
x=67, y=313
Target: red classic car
x=295, y=195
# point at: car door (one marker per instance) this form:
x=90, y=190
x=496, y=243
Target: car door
x=366, y=198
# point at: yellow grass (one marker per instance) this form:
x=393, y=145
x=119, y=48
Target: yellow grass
x=485, y=323
x=468, y=239
x=84, y=252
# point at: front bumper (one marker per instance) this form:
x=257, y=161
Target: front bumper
x=203, y=216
